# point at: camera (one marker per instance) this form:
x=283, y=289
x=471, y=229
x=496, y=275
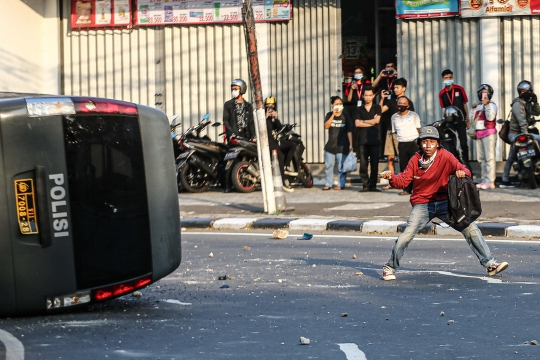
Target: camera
x=389, y=72
x=270, y=108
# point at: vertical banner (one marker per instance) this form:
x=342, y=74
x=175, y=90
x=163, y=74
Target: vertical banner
x=414, y=9
x=100, y=13
x=481, y=8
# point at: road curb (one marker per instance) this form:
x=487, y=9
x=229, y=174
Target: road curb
x=499, y=229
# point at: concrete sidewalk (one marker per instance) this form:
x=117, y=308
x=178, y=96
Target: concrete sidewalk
x=506, y=212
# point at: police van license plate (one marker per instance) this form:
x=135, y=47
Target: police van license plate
x=26, y=206
x=525, y=153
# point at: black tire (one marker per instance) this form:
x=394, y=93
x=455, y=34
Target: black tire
x=194, y=179
x=242, y=179
x=531, y=178
x=305, y=176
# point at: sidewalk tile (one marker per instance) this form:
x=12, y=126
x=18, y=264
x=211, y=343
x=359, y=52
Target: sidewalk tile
x=523, y=230
x=233, y=223
x=381, y=226
x=309, y=224
x=345, y=225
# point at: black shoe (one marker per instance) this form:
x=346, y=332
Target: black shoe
x=374, y=190
x=227, y=190
x=364, y=190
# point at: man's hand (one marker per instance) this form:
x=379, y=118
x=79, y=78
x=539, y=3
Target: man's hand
x=351, y=148
x=385, y=175
x=460, y=174
x=357, y=123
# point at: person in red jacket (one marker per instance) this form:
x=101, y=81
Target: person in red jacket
x=431, y=168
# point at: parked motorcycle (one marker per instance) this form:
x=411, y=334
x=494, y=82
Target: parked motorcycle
x=448, y=137
x=201, y=162
x=299, y=166
x=242, y=165
x=527, y=164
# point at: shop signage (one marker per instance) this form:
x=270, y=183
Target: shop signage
x=415, y=9
x=88, y=14
x=481, y=8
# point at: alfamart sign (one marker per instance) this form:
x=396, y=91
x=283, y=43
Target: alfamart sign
x=481, y=8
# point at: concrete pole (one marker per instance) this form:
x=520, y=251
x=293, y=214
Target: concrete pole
x=265, y=164
x=490, y=65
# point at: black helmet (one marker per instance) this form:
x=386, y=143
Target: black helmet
x=452, y=114
x=485, y=87
x=524, y=85
x=241, y=83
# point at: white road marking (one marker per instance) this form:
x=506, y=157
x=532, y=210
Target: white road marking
x=14, y=348
x=172, y=301
x=352, y=351
x=392, y=237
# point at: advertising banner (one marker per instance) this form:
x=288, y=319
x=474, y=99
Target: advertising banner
x=197, y=12
x=415, y=9
x=480, y=8
x=100, y=13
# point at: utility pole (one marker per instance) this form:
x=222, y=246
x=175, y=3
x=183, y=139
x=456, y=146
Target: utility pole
x=263, y=147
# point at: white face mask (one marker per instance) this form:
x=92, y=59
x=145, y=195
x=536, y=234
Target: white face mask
x=235, y=93
x=358, y=76
x=339, y=108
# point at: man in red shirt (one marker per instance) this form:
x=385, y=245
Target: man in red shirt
x=431, y=168
x=455, y=95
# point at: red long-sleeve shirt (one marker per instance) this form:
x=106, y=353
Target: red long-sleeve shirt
x=431, y=184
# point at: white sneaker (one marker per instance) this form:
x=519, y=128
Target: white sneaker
x=288, y=188
x=290, y=171
x=389, y=273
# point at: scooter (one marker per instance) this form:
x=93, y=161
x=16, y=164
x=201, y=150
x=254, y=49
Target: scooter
x=527, y=164
x=242, y=165
x=299, y=166
x=448, y=136
x=201, y=162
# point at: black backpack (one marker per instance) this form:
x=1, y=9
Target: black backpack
x=463, y=202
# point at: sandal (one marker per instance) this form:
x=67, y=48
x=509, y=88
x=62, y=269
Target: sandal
x=387, y=187
x=337, y=188
x=326, y=188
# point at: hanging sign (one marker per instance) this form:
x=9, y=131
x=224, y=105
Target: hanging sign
x=197, y=12
x=415, y=9
x=100, y=13
x=481, y=8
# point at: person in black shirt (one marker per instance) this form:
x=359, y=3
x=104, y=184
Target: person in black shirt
x=238, y=113
x=339, y=144
x=385, y=80
x=368, y=148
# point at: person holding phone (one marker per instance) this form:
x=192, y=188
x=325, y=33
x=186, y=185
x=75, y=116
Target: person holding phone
x=485, y=115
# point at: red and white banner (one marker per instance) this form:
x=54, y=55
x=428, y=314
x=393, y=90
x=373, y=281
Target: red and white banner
x=87, y=14
x=481, y=8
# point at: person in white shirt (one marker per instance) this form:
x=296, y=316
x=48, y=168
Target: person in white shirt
x=484, y=117
x=406, y=124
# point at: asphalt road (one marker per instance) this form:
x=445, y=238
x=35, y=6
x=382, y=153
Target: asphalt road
x=284, y=289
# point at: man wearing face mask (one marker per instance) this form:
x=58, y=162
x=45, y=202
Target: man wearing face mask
x=406, y=124
x=431, y=168
x=455, y=95
x=238, y=113
x=523, y=107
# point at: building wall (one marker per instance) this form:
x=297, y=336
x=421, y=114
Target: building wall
x=30, y=46
x=188, y=69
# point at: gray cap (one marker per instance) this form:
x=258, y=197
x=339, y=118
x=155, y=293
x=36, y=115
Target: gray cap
x=428, y=132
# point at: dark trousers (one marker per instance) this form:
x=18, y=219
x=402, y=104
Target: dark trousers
x=369, y=155
x=406, y=152
x=461, y=128
x=288, y=147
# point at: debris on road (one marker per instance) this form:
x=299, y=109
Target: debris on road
x=534, y=342
x=344, y=314
x=211, y=255
x=450, y=322
x=306, y=236
x=183, y=229
x=223, y=277
x=304, y=341
x=224, y=286
x=359, y=273
x=195, y=247
x=246, y=248
x=136, y=294
x=442, y=313
x=232, y=277
x=354, y=256
x=280, y=234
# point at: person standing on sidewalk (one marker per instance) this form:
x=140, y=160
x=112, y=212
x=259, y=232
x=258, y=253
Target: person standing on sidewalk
x=455, y=95
x=406, y=124
x=238, y=113
x=354, y=91
x=388, y=105
x=523, y=107
x=431, y=168
x=369, y=146
x=339, y=143
x=485, y=114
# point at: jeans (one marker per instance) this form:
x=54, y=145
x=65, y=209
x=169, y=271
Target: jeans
x=330, y=161
x=420, y=215
x=485, y=147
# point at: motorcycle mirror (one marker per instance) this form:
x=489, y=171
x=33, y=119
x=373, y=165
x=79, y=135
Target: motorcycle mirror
x=216, y=124
x=174, y=117
x=206, y=116
x=500, y=121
